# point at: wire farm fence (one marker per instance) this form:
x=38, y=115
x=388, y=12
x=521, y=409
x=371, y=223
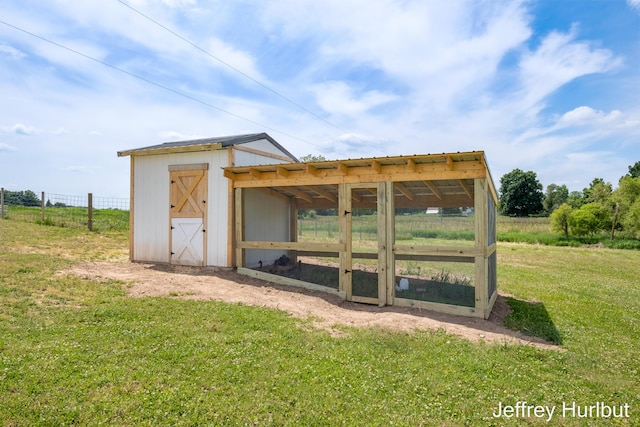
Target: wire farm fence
x=93, y=213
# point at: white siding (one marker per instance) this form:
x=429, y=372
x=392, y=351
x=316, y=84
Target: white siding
x=243, y=158
x=265, y=213
x=151, y=205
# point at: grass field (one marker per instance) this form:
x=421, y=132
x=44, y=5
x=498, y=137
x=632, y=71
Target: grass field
x=81, y=352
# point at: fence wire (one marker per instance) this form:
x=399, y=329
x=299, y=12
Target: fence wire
x=62, y=210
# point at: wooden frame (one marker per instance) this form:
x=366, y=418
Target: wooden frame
x=443, y=180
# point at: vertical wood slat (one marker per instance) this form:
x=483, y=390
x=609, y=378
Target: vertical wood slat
x=344, y=205
x=231, y=161
x=481, y=237
x=239, y=227
x=131, y=208
x=293, y=230
x=390, y=230
x=383, y=244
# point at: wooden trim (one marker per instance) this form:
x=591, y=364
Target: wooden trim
x=449, y=251
x=265, y=178
x=274, y=278
x=383, y=243
x=365, y=300
x=298, y=246
x=230, y=211
x=390, y=231
x=293, y=230
x=239, y=227
x=492, y=301
x=131, y=207
x=440, y=308
x=264, y=153
x=344, y=214
x=168, y=150
x=189, y=167
x=481, y=233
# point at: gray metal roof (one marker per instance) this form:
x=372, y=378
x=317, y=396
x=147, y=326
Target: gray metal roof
x=221, y=141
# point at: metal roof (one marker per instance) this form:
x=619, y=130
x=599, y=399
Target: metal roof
x=204, y=144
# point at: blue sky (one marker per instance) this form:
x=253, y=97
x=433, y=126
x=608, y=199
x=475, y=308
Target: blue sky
x=550, y=86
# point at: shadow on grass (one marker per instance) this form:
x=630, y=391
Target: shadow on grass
x=531, y=318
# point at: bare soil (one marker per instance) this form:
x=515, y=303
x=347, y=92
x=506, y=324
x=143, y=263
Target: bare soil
x=326, y=311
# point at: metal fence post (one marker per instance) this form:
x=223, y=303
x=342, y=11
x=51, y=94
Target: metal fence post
x=42, y=206
x=90, y=211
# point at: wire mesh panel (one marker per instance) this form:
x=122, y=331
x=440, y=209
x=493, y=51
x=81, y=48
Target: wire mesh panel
x=64, y=210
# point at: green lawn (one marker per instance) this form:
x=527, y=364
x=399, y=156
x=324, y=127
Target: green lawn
x=81, y=352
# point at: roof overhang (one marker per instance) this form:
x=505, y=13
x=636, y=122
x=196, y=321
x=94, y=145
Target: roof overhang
x=167, y=150
x=435, y=180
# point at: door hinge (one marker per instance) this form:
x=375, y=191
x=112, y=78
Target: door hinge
x=172, y=227
x=172, y=206
x=173, y=253
x=347, y=212
x=347, y=271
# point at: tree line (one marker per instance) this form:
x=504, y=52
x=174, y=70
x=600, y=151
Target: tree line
x=28, y=198
x=593, y=210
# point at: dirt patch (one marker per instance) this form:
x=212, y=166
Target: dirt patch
x=326, y=310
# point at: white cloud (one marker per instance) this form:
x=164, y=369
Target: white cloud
x=242, y=61
x=337, y=97
x=11, y=52
x=558, y=60
x=6, y=148
x=635, y=4
x=20, y=129
x=588, y=116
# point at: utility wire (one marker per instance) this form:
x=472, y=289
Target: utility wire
x=289, y=100
x=146, y=80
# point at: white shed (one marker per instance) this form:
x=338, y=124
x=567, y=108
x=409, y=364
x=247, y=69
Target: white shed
x=182, y=205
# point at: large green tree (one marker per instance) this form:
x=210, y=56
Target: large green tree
x=627, y=197
x=520, y=193
x=589, y=219
x=634, y=171
x=555, y=196
x=560, y=219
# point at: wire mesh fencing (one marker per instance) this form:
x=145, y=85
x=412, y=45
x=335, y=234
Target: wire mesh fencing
x=88, y=211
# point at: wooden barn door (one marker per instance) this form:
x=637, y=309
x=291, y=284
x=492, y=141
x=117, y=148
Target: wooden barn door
x=188, y=214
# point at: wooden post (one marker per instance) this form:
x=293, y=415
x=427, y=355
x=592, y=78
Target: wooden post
x=90, y=211
x=2, y=202
x=239, y=228
x=481, y=234
x=42, y=206
x=131, y=207
x=344, y=215
x=293, y=229
x=386, y=239
x=390, y=231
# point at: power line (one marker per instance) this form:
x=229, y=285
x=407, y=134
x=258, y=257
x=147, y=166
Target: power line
x=146, y=80
x=275, y=92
